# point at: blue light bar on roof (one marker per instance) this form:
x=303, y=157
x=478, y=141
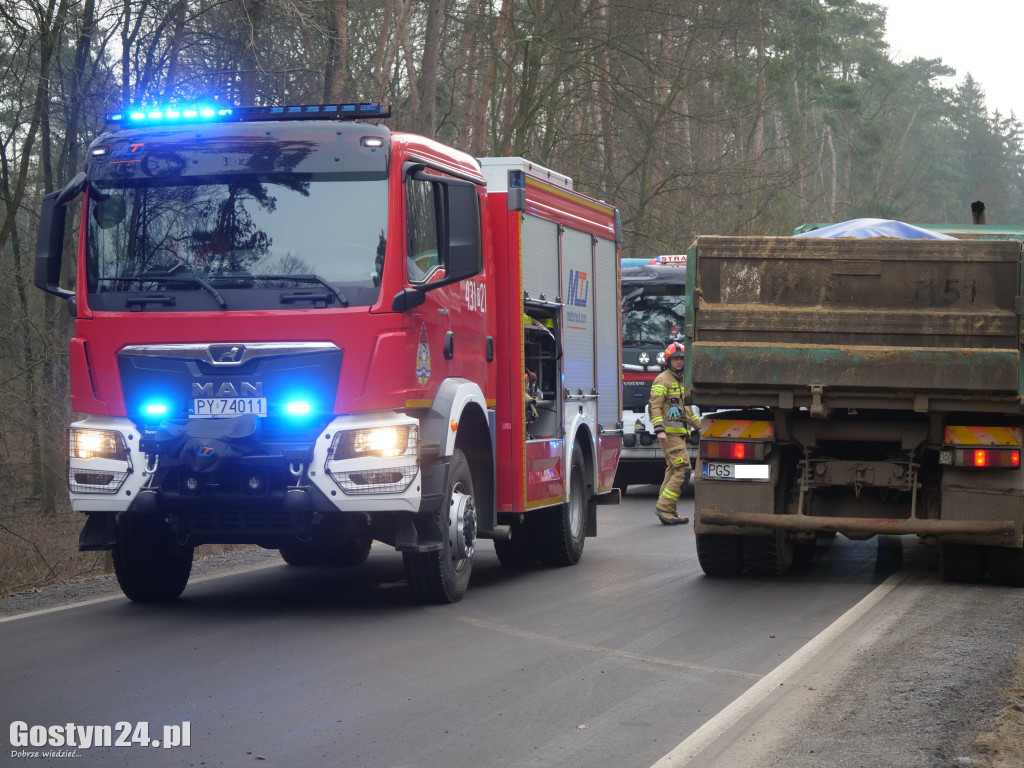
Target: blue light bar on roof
x=212, y=114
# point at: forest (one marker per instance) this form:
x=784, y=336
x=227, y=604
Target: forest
x=729, y=117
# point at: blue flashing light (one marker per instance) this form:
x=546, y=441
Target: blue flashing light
x=298, y=408
x=155, y=408
x=206, y=113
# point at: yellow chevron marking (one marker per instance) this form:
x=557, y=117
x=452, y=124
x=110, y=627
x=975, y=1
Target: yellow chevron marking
x=738, y=428
x=983, y=436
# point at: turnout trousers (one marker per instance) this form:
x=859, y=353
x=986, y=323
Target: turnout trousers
x=677, y=468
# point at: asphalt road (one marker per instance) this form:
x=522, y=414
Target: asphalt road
x=630, y=658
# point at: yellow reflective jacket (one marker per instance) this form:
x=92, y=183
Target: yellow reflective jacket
x=668, y=413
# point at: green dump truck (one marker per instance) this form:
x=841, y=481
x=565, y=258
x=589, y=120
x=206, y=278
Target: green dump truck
x=858, y=386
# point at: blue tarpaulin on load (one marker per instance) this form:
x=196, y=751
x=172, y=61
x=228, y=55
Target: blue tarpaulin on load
x=875, y=228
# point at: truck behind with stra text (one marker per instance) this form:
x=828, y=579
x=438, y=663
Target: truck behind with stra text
x=873, y=386
x=296, y=328
x=653, y=314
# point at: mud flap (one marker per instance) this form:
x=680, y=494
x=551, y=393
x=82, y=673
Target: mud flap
x=434, y=479
x=409, y=537
x=98, y=533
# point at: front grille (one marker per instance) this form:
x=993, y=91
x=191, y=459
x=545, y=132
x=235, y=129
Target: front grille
x=229, y=523
x=173, y=376
x=635, y=394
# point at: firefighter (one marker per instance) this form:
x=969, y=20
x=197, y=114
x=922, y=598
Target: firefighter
x=672, y=421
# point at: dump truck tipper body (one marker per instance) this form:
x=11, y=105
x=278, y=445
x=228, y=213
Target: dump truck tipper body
x=858, y=386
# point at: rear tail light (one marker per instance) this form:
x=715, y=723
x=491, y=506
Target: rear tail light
x=984, y=458
x=732, y=450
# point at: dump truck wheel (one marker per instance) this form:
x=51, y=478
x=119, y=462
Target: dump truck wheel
x=770, y=555
x=442, y=576
x=804, y=551
x=719, y=554
x=150, y=565
x=965, y=563
x=890, y=555
x=1006, y=566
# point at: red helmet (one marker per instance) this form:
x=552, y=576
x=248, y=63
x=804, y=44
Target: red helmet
x=675, y=349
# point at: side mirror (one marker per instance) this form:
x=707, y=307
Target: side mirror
x=463, y=257
x=50, y=237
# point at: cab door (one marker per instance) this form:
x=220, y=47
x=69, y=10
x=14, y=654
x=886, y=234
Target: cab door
x=431, y=323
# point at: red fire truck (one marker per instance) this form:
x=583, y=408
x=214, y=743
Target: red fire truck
x=298, y=329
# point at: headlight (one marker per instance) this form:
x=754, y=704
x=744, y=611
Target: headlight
x=97, y=444
x=377, y=442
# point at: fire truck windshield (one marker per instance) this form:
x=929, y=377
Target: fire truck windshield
x=237, y=242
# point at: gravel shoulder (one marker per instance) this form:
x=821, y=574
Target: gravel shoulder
x=931, y=678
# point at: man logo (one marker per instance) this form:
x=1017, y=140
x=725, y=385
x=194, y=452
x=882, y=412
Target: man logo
x=226, y=353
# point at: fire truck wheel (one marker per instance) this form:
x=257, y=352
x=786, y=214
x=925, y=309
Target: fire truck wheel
x=333, y=554
x=559, y=533
x=518, y=551
x=151, y=566
x=442, y=576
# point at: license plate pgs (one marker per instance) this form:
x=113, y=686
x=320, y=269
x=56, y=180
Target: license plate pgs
x=714, y=470
x=224, y=407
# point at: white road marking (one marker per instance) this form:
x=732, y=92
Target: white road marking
x=714, y=728
x=516, y=632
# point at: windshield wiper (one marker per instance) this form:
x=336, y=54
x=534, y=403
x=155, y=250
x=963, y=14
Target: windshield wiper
x=171, y=279
x=307, y=279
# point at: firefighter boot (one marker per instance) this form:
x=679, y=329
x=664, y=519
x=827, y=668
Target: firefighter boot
x=670, y=518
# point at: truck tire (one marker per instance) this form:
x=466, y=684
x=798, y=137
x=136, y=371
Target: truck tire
x=150, y=565
x=890, y=555
x=965, y=563
x=719, y=554
x=1006, y=566
x=517, y=551
x=804, y=551
x=335, y=554
x=442, y=576
x=560, y=533
x=770, y=555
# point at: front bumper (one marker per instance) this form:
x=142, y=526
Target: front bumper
x=219, y=476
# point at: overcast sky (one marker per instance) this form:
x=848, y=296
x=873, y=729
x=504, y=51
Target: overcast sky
x=982, y=37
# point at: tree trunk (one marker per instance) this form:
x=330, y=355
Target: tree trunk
x=337, y=61
x=427, y=85
x=253, y=13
